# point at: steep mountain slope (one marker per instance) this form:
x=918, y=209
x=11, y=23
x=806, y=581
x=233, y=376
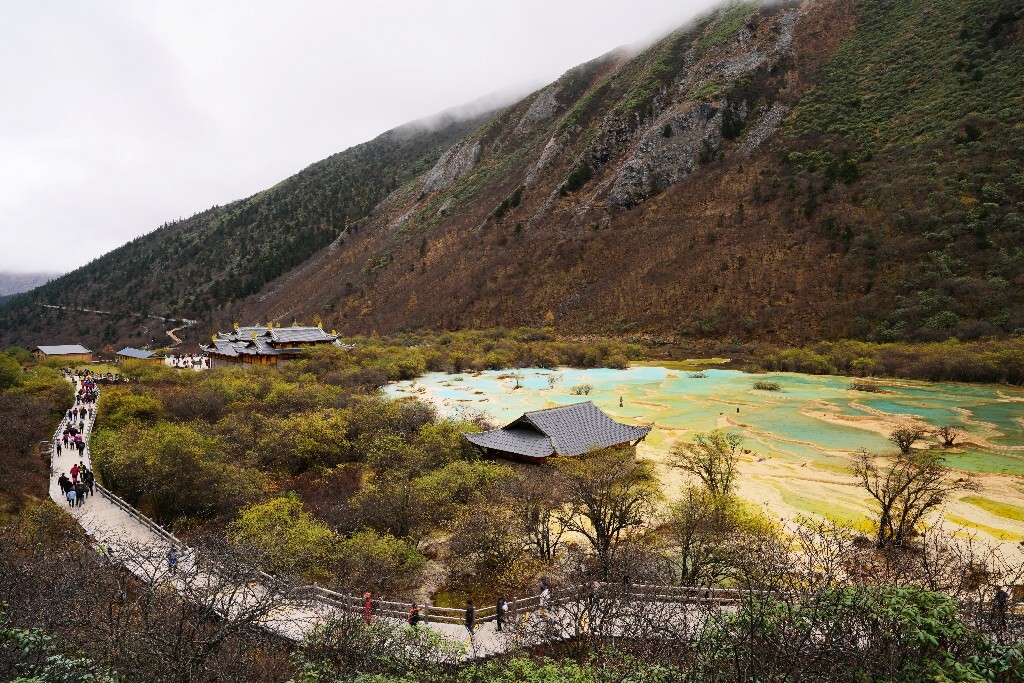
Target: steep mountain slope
x=786, y=171
x=782, y=171
x=189, y=268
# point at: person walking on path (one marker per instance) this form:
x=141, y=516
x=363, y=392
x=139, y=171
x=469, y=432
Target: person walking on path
x=368, y=607
x=74, y=473
x=999, y=605
x=56, y=447
x=79, y=494
x=414, y=615
x=64, y=483
x=71, y=495
x=470, y=617
x=500, y=610
x=172, y=560
x=90, y=481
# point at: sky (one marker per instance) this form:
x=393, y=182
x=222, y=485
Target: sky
x=116, y=117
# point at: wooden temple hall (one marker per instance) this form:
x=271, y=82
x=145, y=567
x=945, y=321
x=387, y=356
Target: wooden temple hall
x=565, y=431
x=264, y=345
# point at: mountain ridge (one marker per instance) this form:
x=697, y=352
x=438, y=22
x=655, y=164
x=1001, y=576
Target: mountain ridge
x=778, y=171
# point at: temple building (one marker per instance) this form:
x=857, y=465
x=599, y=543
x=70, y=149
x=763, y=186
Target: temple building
x=562, y=432
x=264, y=345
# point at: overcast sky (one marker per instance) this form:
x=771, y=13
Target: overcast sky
x=118, y=116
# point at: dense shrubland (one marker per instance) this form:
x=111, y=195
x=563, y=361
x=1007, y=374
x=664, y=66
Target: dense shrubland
x=323, y=477
x=949, y=361
x=396, y=504
x=33, y=397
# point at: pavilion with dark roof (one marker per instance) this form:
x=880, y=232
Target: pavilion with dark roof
x=562, y=432
x=264, y=345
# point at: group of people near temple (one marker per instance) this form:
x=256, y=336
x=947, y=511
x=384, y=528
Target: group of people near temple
x=188, y=361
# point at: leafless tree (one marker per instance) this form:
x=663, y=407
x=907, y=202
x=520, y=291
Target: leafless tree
x=536, y=494
x=949, y=434
x=610, y=494
x=905, y=435
x=195, y=625
x=705, y=536
x=912, y=485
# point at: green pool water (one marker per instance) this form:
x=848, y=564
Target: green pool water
x=783, y=423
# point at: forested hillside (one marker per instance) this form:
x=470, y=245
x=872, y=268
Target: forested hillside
x=772, y=171
x=189, y=268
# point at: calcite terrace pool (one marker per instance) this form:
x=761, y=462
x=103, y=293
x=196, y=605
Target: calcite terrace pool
x=800, y=439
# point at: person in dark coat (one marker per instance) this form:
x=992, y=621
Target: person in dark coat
x=999, y=606
x=500, y=610
x=470, y=617
x=90, y=481
x=79, y=494
x=414, y=615
x=64, y=483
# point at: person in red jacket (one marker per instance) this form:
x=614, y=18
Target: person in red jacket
x=367, y=607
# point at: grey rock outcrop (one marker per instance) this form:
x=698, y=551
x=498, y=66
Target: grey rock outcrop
x=658, y=160
x=453, y=164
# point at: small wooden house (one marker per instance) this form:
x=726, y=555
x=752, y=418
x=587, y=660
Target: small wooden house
x=562, y=432
x=68, y=352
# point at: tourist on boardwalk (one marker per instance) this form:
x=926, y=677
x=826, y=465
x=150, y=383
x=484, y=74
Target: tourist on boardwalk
x=500, y=610
x=999, y=605
x=74, y=473
x=367, y=607
x=79, y=494
x=172, y=560
x=64, y=483
x=414, y=615
x=90, y=481
x=470, y=617
x=71, y=495
x=56, y=447
x=103, y=550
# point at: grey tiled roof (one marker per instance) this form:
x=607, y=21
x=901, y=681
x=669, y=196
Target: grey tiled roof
x=566, y=431
x=291, y=335
x=135, y=353
x=580, y=427
x=63, y=349
x=522, y=441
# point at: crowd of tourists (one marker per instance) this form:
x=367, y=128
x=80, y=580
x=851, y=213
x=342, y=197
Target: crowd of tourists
x=71, y=440
x=80, y=486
